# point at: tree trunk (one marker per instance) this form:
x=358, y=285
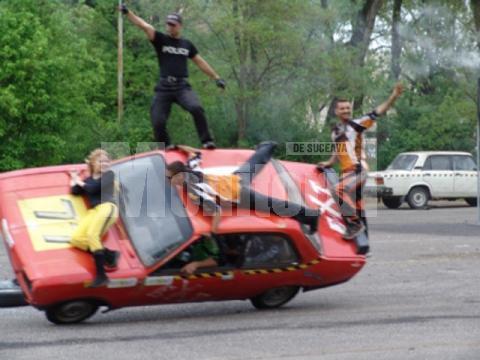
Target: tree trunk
x=396, y=40
x=331, y=117
x=363, y=28
x=240, y=103
x=361, y=35
x=476, y=17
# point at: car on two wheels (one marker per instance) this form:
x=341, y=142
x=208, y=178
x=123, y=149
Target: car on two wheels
x=157, y=224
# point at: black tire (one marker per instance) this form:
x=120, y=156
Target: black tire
x=418, y=198
x=71, y=312
x=275, y=297
x=471, y=201
x=393, y=202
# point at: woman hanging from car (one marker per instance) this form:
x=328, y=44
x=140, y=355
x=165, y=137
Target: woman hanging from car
x=101, y=190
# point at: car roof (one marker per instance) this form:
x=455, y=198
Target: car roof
x=426, y=153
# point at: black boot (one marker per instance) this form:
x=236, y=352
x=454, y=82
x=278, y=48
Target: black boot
x=171, y=147
x=111, y=259
x=313, y=223
x=209, y=145
x=354, y=228
x=273, y=144
x=100, y=279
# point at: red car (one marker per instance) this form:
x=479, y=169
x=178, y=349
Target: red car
x=158, y=223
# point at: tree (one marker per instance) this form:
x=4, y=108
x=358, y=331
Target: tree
x=48, y=84
x=396, y=39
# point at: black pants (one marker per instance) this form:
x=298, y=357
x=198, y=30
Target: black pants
x=250, y=199
x=180, y=92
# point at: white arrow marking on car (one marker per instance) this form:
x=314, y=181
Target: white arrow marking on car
x=68, y=214
x=323, y=205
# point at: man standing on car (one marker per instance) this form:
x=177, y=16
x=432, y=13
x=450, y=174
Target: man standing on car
x=173, y=51
x=348, y=136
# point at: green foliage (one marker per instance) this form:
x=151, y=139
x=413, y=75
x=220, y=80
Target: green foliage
x=49, y=81
x=58, y=75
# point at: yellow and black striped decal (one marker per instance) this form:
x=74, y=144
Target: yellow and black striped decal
x=224, y=275
x=293, y=267
x=229, y=275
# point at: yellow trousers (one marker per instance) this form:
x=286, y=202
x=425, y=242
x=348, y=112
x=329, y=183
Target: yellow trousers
x=87, y=236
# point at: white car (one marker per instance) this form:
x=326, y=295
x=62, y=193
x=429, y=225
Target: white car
x=417, y=177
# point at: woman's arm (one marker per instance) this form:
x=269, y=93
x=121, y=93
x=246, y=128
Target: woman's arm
x=76, y=184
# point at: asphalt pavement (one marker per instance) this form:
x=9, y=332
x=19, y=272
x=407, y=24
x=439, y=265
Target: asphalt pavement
x=417, y=298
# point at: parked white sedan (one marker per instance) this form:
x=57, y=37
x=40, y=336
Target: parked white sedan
x=417, y=177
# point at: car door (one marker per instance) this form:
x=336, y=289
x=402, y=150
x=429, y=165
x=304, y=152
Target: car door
x=465, y=176
x=269, y=261
x=168, y=284
x=438, y=174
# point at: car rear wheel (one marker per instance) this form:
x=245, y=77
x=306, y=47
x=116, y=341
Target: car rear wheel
x=471, y=201
x=418, y=198
x=275, y=298
x=71, y=312
x=393, y=202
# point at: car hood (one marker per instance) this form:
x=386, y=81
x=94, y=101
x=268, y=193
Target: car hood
x=38, y=217
x=315, y=191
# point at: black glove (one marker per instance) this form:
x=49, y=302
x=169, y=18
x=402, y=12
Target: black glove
x=124, y=9
x=221, y=83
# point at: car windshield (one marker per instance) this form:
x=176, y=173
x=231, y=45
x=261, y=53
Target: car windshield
x=150, y=208
x=403, y=162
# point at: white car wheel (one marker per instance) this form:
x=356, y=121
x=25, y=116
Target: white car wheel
x=418, y=198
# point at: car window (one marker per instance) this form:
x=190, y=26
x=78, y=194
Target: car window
x=201, y=249
x=438, y=162
x=237, y=251
x=150, y=208
x=255, y=250
x=464, y=163
x=403, y=162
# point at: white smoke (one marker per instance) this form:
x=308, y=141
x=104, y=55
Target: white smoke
x=435, y=37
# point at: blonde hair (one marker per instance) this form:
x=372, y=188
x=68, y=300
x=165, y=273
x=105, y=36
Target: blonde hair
x=93, y=157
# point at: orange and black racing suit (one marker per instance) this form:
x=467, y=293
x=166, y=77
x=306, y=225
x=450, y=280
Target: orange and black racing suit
x=348, y=137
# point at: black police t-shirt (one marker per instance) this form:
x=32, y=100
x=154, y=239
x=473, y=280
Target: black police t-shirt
x=173, y=54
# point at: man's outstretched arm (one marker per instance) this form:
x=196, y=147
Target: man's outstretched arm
x=190, y=268
x=397, y=91
x=207, y=69
x=138, y=21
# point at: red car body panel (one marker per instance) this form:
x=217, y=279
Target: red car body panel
x=52, y=276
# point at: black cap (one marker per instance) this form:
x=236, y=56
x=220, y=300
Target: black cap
x=174, y=18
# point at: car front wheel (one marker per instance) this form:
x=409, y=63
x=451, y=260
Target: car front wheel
x=418, y=198
x=274, y=298
x=71, y=312
x=393, y=202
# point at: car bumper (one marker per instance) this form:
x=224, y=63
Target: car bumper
x=378, y=191
x=11, y=294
